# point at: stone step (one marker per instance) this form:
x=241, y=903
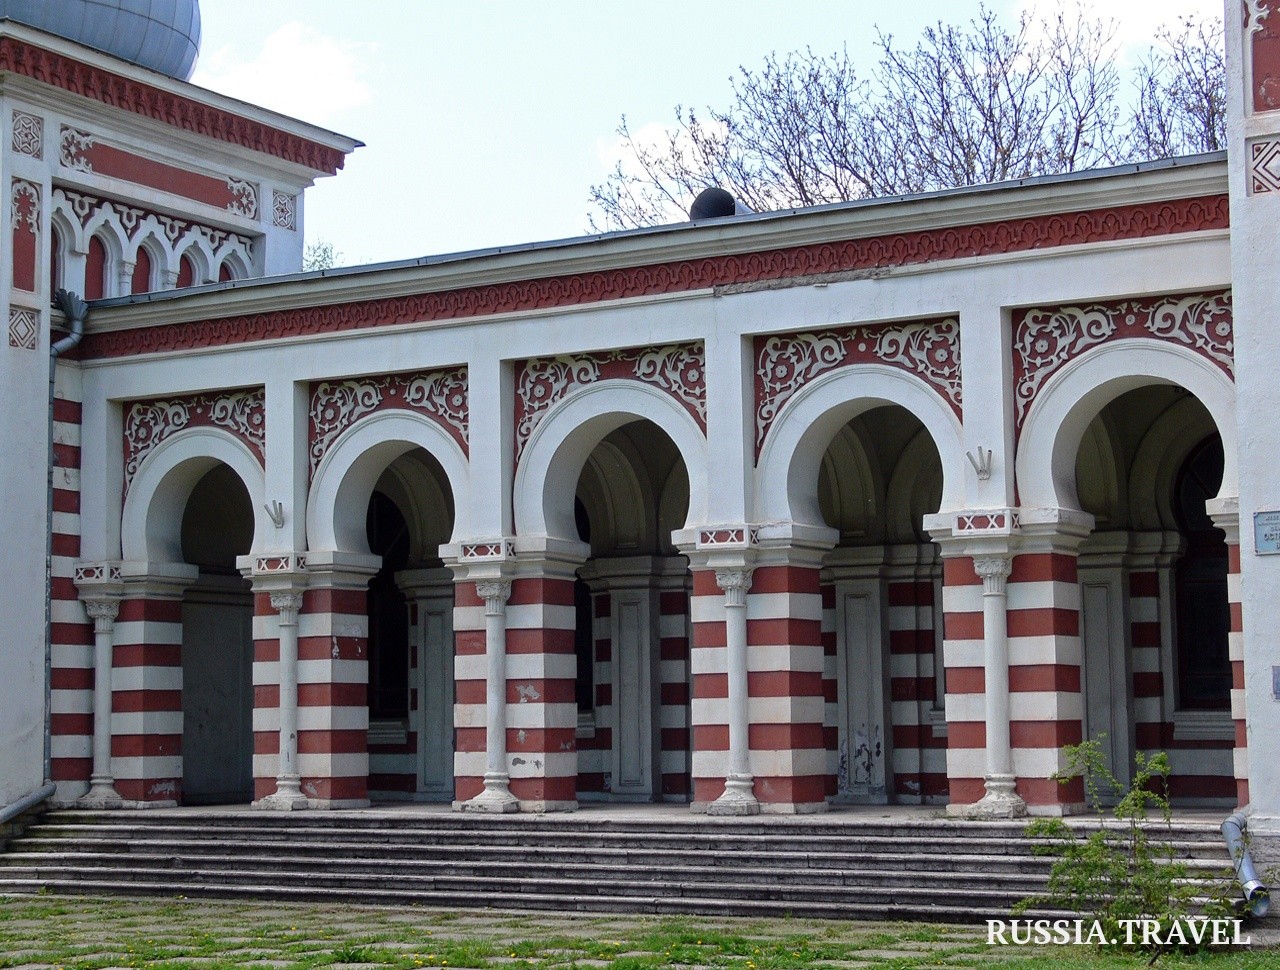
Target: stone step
x=584, y=821
x=1021, y=883
x=913, y=908
x=855, y=843
x=850, y=867
x=344, y=852
x=495, y=888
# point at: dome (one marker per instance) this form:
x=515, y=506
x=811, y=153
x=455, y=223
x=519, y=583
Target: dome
x=163, y=35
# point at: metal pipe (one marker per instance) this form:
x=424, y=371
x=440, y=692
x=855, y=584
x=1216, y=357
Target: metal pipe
x=26, y=803
x=1257, y=896
x=76, y=312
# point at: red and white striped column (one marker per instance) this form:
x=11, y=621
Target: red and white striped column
x=71, y=679
x=470, y=687
x=1145, y=641
x=333, y=680
x=146, y=723
x=541, y=676
x=1045, y=653
x=919, y=756
x=709, y=705
x=785, y=672
x=1226, y=516
x=516, y=715
x=674, y=681
x=964, y=655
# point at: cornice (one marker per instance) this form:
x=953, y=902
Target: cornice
x=105, y=80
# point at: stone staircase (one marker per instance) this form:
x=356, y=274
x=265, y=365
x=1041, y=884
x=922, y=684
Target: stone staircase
x=833, y=866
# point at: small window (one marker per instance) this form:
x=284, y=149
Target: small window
x=141, y=272
x=186, y=272
x=95, y=274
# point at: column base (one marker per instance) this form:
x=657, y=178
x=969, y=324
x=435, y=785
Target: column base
x=287, y=797
x=101, y=794
x=496, y=799
x=738, y=798
x=1000, y=801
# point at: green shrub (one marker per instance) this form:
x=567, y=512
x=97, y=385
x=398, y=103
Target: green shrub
x=1127, y=869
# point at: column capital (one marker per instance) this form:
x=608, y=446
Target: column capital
x=287, y=603
x=103, y=610
x=994, y=572
x=735, y=582
x=495, y=595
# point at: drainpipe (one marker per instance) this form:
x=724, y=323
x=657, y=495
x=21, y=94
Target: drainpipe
x=75, y=310
x=1257, y=897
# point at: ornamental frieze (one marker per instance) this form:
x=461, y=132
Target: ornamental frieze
x=1148, y=220
x=1045, y=338
x=785, y=362
x=678, y=369
x=147, y=424
x=337, y=405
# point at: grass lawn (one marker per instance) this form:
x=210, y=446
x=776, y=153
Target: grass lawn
x=98, y=933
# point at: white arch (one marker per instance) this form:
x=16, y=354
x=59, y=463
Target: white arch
x=787, y=472
x=1160, y=456
x=554, y=456
x=350, y=469
x=151, y=524
x=1071, y=398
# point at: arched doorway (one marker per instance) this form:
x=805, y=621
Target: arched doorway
x=1155, y=616
x=880, y=475
x=632, y=620
x=217, y=643
x=410, y=643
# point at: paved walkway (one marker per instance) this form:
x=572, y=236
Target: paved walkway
x=56, y=933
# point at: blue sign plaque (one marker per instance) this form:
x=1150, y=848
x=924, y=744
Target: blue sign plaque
x=1266, y=533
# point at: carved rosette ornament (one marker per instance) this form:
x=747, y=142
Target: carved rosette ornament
x=148, y=424
x=440, y=395
x=785, y=362
x=1046, y=338
x=28, y=135
x=541, y=383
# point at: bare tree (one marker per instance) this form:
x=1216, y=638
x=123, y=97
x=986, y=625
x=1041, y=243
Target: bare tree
x=319, y=255
x=966, y=105
x=1181, y=107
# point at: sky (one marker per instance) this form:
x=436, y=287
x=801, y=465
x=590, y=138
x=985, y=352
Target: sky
x=486, y=122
